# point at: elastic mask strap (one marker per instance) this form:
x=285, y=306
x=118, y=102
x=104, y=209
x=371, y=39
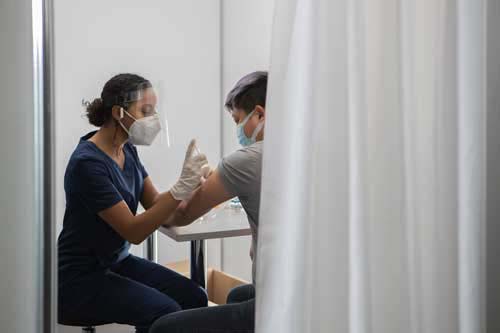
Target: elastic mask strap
x=257, y=130
x=122, y=111
x=247, y=118
x=128, y=114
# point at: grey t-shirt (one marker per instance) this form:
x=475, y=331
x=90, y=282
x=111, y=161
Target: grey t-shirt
x=240, y=173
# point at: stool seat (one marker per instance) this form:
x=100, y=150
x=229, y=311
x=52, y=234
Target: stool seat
x=86, y=328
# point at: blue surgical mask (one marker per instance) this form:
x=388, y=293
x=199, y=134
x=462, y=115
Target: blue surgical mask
x=243, y=139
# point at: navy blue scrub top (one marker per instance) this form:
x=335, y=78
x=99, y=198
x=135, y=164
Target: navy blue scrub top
x=94, y=182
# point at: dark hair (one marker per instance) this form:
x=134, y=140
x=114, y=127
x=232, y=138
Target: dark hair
x=119, y=90
x=248, y=92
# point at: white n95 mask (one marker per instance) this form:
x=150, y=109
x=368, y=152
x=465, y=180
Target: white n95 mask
x=143, y=131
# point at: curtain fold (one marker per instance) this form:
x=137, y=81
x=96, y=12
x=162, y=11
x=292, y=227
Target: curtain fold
x=372, y=211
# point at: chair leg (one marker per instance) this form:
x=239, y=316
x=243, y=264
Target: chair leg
x=88, y=329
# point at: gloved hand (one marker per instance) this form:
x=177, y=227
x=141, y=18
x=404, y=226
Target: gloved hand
x=206, y=171
x=191, y=174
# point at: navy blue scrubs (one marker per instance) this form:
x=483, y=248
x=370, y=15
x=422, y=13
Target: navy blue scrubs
x=99, y=281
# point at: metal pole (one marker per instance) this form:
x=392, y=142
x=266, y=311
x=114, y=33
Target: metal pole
x=198, y=262
x=152, y=247
x=42, y=28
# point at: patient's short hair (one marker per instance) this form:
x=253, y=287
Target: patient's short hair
x=248, y=92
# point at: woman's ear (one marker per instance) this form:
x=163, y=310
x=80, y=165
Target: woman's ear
x=117, y=112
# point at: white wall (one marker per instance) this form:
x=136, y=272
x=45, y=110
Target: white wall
x=246, y=38
x=493, y=175
x=18, y=222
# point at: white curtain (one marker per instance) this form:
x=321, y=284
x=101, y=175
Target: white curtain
x=372, y=211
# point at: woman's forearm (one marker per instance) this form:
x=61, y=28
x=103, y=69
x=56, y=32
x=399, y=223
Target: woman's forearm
x=146, y=223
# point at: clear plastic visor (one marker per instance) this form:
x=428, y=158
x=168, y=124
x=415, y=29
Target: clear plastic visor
x=146, y=103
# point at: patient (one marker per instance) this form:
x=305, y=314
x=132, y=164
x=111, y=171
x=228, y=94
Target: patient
x=238, y=174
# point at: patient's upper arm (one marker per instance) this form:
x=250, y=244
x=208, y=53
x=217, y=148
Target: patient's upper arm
x=211, y=193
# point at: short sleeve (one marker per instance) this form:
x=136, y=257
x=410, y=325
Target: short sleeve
x=237, y=172
x=92, y=184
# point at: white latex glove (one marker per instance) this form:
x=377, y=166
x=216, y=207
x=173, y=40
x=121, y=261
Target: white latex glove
x=191, y=174
x=206, y=171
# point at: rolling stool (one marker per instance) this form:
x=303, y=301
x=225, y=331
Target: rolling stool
x=86, y=328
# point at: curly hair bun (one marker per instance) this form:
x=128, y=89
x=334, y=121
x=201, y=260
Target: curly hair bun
x=96, y=113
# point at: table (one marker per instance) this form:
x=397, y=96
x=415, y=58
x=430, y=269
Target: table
x=221, y=222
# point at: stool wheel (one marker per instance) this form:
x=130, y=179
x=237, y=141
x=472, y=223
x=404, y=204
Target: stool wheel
x=88, y=329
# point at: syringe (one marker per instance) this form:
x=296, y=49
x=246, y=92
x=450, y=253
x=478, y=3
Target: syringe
x=205, y=169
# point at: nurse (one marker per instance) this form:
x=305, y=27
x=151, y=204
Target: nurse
x=100, y=282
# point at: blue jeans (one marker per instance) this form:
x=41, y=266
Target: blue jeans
x=236, y=316
x=133, y=292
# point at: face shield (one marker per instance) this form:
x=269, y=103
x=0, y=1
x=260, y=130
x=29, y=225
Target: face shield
x=143, y=105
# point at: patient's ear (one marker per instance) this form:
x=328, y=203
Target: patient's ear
x=261, y=112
